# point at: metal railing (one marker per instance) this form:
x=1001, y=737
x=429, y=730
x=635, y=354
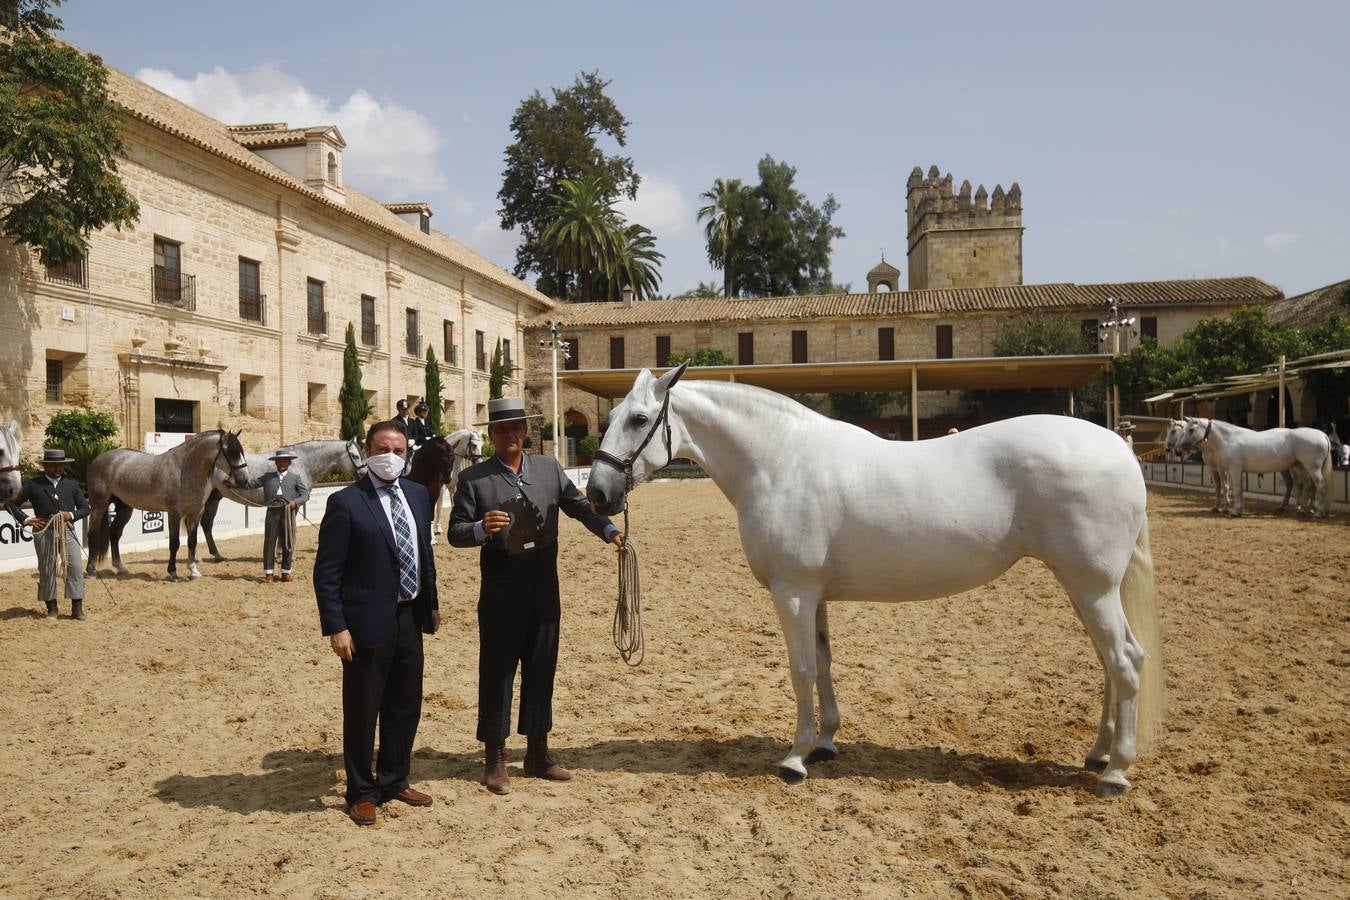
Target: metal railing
x=413, y=343
x=317, y=322
x=252, y=306
x=73, y=273
x=370, y=334
x=452, y=355
x=482, y=361
x=173, y=288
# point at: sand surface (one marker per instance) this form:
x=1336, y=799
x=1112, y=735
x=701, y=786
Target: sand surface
x=186, y=739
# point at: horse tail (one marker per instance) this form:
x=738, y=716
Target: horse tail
x=100, y=530
x=1325, y=506
x=1139, y=596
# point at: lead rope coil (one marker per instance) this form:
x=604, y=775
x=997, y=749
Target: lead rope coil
x=628, y=609
x=56, y=528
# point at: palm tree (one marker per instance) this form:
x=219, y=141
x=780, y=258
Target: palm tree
x=723, y=212
x=586, y=233
x=637, y=263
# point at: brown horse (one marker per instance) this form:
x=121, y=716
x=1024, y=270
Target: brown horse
x=177, y=482
x=433, y=467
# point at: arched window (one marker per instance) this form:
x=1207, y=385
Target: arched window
x=884, y=287
x=332, y=167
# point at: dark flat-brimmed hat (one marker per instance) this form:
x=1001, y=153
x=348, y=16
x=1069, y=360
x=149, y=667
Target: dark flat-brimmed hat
x=284, y=453
x=507, y=409
x=1125, y=426
x=421, y=405
x=54, y=455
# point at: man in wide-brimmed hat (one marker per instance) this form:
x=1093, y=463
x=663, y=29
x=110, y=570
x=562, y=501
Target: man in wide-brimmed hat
x=52, y=495
x=508, y=505
x=283, y=490
x=419, y=431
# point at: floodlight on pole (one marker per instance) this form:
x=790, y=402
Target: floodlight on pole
x=554, y=346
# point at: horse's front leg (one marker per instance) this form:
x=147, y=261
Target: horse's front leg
x=192, y=522
x=1235, y=490
x=1289, y=489
x=797, y=616
x=121, y=516
x=825, y=749
x=174, y=521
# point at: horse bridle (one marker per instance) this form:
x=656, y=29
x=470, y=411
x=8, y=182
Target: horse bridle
x=220, y=454
x=626, y=465
x=1204, y=437
x=354, y=455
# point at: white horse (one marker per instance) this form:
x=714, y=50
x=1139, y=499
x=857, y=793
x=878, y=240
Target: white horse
x=829, y=512
x=467, y=447
x=10, y=450
x=1235, y=450
x=1175, y=429
x=314, y=461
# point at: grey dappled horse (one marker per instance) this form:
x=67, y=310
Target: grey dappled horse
x=10, y=481
x=177, y=482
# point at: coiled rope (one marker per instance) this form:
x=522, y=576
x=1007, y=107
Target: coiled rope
x=56, y=529
x=628, y=609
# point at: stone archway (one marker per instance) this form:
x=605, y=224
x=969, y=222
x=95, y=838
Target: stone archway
x=576, y=426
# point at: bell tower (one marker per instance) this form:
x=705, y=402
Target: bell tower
x=960, y=240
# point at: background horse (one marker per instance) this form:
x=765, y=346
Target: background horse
x=314, y=461
x=438, y=462
x=466, y=445
x=177, y=482
x=828, y=512
x=1235, y=450
x=1175, y=429
x=10, y=480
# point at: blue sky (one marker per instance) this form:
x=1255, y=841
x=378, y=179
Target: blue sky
x=1151, y=140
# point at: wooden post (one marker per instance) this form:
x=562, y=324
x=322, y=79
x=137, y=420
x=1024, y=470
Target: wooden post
x=1071, y=404
x=914, y=403
x=1282, y=421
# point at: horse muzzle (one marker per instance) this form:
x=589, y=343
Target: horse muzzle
x=606, y=499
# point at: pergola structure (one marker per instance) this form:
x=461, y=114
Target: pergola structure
x=1273, y=377
x=911, y=375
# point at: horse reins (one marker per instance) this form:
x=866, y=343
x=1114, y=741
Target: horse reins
x=627, y=631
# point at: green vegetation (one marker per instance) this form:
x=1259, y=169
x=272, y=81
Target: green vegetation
x=352, y=398
x=704, y=356
x=433, y=392
x=83, y=434
x=59, y=139
x=595, y=248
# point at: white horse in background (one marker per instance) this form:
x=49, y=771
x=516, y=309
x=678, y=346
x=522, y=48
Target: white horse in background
x=467, y=446
x=829, y=512
x=1235, y=450
x=1175, y=429
x=10, y=450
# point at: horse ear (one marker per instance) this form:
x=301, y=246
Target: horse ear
x=668, y=380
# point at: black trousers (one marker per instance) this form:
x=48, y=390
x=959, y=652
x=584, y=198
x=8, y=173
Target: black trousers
x=382, y=683
x=519, y=615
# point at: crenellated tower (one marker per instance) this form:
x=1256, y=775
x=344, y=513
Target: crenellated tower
x=957, y=240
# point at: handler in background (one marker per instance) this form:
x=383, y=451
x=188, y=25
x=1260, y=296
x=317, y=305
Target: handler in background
x=283, y=490
x=519, y=608
x=52, y=494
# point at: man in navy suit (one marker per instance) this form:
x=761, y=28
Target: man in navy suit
x=375, y=581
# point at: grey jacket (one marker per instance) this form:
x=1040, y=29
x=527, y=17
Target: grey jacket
x=489, y=484
x=293, y=487
x=47, y=499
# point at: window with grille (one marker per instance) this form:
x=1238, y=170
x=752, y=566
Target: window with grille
x=73, y=273
x=663, y=349
x=616, y=353
x=250, y=290
x=799, y=346
x=55, y=375
x=745, y=348
x=316, y=315
x=1148, y=327
x=480, y=350
x=414, y=339
x=370, y=331
x=448, y=341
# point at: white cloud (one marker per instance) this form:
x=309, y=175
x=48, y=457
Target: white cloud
x=660, y=206
x=486, y=238
x=1278, y=240
x=391, y=149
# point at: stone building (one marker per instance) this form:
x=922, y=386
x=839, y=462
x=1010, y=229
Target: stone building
x=898, y=325
x=957, y=240
x=227, y=303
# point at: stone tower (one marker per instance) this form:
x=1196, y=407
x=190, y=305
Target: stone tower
x=960, y=241
x=885, y=275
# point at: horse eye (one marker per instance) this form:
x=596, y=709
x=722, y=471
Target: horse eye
x=639, y=420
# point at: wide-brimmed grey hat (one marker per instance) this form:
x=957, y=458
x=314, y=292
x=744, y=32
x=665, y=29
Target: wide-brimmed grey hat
x=284, y=453
x=54, y=455
x=507, y=409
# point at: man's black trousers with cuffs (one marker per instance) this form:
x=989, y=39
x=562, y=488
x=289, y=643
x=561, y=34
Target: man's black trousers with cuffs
x=384, y=684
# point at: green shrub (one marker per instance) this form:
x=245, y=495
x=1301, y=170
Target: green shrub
x=83, y=434
x=588, y=445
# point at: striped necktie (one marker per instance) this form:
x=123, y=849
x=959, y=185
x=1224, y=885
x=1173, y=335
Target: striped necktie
x=407, y=557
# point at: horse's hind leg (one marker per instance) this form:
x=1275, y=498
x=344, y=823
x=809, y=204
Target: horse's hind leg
x=121, y=516
x=174, y=520
x=825, y=749
x=192, y=522
x=797, y=616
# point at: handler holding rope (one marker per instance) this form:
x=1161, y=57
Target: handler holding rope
x=58, y=503
x=284, y=491
x=508, y=505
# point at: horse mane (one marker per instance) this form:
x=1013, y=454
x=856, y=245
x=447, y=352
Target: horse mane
x=763, y=397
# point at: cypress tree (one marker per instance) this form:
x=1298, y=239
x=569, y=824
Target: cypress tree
x=352, y=398
x=433, y=392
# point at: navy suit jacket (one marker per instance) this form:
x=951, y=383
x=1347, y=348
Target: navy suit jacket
x=356, y=568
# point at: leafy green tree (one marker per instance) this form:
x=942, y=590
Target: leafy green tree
x=703, y=356
x=636, y=265
x=59, y=139
x=83, y=434
x=724, y=207
x=1330, y=387
x=352, y=398
x=786, y=238
x=584, y=237
x=855, y=406
x=1038, y=335
x=703, y=289
x=554, y=142
x=433, y=392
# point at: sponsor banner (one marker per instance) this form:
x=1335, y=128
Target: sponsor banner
x=579, y=476
x=158, y=442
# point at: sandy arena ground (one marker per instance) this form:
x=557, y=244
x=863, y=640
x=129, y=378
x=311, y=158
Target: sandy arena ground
x=186, y=739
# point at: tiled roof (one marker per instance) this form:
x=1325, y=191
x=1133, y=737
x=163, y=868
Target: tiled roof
x=1063, y=297
x=182, y=121
x=408, y=208
x=883, y=268
x=1312, y=308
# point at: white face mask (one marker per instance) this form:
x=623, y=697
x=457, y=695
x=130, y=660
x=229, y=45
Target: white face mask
x=386, y=466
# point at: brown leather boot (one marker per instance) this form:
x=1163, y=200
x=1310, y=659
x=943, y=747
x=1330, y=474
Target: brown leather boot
x=494, y=769
x=538, y=762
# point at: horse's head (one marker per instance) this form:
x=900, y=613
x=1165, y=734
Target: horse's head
x=475, y=448
x=10, y=482
x=1193, y=433
x=230, y=458
x=356, y=456
x=440, y=454
x=1174, y=431
x=637, y=442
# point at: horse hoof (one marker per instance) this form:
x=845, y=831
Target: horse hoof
x=1110, y=790
x=821, y=754
x=216, y=557
x=1094, y=765
x=791, y=776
